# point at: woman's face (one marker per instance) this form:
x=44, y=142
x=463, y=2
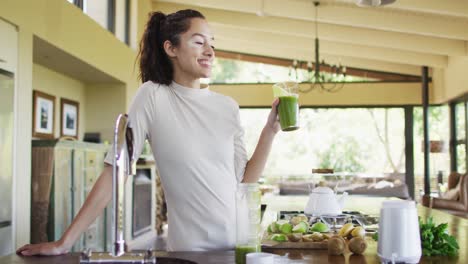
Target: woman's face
x=195, y=53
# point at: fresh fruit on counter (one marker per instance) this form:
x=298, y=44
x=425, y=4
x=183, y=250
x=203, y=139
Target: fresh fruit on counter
x=281, y=226
x=314, y=237
x=336, y=245
x=294, y=237
x=357, y=245
x=279, y=237
x=319, y=227
x=346, y=230
x=358, y=231
x=349, y=231
x=307, y=238
x=299, y=218
x=285, y=227
x=301, y=227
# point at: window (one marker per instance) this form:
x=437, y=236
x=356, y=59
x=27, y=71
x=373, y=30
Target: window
x=356, y=140
x=439, y=156
x=113, y=15
x=237, y=71
x=97, y=10
x=122, y=20
x=460, y=132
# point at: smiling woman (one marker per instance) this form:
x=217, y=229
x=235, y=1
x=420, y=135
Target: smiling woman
x=195, y=136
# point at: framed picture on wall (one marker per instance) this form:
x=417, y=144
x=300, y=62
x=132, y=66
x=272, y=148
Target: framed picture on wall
x=43, y=115
x=69, y=118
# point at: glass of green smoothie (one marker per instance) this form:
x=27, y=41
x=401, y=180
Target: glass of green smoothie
x=288, y=108
x=248, y=232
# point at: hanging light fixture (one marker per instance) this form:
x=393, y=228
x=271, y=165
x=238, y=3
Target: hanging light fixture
x=374, y=2
x=323, y=76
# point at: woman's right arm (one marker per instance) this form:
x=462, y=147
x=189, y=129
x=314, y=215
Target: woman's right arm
x=95, y=203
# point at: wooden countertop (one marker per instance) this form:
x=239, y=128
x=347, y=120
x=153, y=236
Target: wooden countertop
x=457, y=227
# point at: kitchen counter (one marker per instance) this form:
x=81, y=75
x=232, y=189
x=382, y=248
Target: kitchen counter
x=457, y=227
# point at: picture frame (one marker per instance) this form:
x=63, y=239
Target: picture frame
x=69, y=118
x=43, y=115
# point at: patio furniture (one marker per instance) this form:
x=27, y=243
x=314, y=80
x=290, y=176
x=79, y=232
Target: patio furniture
x=455, y=200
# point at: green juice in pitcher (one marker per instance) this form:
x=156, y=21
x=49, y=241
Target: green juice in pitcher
x=242, y=251
x=288, y=111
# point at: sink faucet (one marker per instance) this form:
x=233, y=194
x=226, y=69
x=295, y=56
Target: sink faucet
x=123, y=166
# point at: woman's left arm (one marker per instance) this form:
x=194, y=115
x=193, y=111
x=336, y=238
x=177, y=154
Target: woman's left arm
x=256, y=164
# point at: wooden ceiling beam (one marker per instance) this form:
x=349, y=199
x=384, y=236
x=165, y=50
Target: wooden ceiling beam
x=290, y=53
x=364, y=73
x=327, y=31
x=253, y=37
x=454, y=8
x=347, y=14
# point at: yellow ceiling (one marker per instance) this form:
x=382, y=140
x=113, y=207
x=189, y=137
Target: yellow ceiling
x=400, y=37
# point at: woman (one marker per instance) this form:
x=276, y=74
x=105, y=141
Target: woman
x=195, y=135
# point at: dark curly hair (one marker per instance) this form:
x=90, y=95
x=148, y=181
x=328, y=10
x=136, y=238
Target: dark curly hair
x=154, y=63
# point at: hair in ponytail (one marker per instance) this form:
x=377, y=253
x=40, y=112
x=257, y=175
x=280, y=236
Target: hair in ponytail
x=154, y=63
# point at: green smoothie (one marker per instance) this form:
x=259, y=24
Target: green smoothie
x=242, y=251
x=288, y=111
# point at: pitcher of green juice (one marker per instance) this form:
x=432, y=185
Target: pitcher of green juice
x=288, y=108
x=247, y=220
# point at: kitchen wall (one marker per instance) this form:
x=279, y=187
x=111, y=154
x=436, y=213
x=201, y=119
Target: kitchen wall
x=61, y=86
x=100, y=115
x=455, y=77
x=69, y=30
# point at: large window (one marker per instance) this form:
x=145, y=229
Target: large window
x=98, y=10
x=113, y=15
x=357, y=140
x=439, y=155
x=236, y=71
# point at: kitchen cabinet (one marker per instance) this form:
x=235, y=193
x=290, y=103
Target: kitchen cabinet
x=63, y=173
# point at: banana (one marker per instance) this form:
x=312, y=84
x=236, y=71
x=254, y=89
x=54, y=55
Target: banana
x=358, y=231
x=346, y=229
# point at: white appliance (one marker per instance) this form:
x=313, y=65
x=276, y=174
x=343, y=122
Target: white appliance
x=399, y=239
x=324, y=201
x=6, y=160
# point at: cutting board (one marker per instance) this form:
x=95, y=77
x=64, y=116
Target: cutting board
x=268, y=243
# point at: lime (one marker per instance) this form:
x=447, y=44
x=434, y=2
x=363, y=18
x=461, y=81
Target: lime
x=279, y=237
x=286, y=228
x=319, y=227
x=279, y=223
x=302, y=227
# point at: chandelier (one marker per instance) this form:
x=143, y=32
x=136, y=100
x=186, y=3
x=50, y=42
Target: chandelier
x=322, y=76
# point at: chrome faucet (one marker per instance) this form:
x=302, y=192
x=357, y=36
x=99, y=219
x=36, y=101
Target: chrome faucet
x=123, y=166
